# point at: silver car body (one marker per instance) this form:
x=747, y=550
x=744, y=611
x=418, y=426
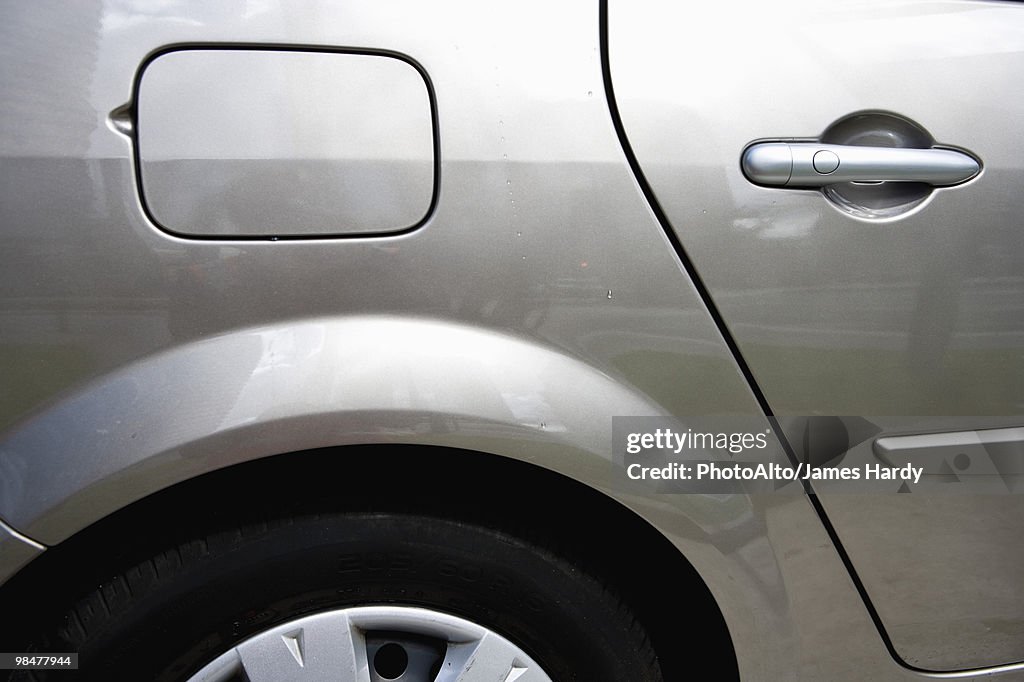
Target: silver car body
x=541, y=294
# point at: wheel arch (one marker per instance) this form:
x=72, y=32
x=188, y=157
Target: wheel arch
x=300, y=385
x=546, y=507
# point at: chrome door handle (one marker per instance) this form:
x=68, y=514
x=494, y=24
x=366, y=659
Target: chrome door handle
x=809, y=164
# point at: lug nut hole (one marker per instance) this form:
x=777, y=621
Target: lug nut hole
x=390, y=661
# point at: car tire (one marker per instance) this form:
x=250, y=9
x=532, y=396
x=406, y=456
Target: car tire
x=169, y=616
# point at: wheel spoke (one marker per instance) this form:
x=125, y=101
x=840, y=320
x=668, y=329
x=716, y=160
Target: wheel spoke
x=322, y=647
x=490, y=659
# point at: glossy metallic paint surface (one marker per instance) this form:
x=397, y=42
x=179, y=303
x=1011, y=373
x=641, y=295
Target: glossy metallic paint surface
x=540, y=298
x=539, y=235
x=835, y=315
x=921, y=313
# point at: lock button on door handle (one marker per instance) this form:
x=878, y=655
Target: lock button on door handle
x=809, y=164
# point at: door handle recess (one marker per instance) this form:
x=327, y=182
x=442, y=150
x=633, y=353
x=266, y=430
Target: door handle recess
x=808, y=164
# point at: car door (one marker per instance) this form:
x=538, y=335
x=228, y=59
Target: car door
x=899, y=302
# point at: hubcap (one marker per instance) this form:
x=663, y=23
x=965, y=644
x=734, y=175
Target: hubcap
x=375, y=644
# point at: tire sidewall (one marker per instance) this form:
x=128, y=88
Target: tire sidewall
x=248, y=580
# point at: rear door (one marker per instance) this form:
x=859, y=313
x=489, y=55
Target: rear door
x=902, y=302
